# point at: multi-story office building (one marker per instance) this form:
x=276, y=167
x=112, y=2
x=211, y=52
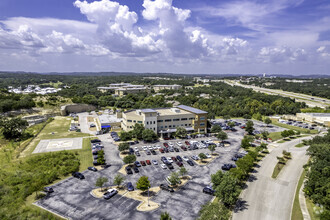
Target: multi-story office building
x=122, y=89
x=165, y=120
x=169, y=87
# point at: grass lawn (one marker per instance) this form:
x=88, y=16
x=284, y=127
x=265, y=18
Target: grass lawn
x=275, y=136
x=59, y=126
x=302, y=130
x=311, y=209
x=85, y=154
x=300, y=145
x=277, y=170
x=296, y=211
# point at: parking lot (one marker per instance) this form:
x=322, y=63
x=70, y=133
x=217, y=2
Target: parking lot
x=72, y=198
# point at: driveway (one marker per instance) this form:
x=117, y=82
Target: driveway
x=271, y=199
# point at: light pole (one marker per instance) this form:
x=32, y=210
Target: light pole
x=148, y=195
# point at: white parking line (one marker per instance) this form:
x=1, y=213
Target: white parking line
x=125, y=200
x=119, y=199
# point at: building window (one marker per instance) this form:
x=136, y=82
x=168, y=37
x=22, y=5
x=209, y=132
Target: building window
x=130, y=126
x=134, y=121
x=191, y=118
x=185, y=125
x=201, y=130
x=140, y=122
x=161, y=127
x=170, y=126
x=184, y=119
x=154, y=129
x=202, y=124
x=159, y=120
x=147, y=122
x=176, y=119
x=202, y=118
x=129, y=120
x=154, y=122
x=165, y=126
x=189, y=124
x=168, y=120
x=173, y=126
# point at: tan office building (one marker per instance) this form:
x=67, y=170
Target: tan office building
x=169, y=87
x=165, y=120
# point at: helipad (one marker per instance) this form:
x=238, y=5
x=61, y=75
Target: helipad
x=58, y=145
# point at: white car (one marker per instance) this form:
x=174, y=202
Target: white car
x=163, y=166
x=179, y=143
x=155, y=147
x=112, y=190
x=155, y=162
x=207, y=155
x=170, y=144
x=169, y=160
x=144, y=148
x=150, y=148
x=136, y=148
x=185, y=158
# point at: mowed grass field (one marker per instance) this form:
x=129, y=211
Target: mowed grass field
x=302, y=130
x=58, y=128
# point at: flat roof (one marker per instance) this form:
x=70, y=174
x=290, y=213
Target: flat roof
x=169, y=111
x=148, y=110
x=191, y=109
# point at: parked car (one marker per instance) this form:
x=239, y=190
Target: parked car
x=155, y=162
x=130, y=186
x=208, y=155
x=92, y=169
x=161, y=150
x=166, y=150
x=187, y=143
x=179, y=163
x=148, y=162
x=128, y=170
x=48, y=189
x=179, y=158
x=163, y=166
x=208, y=190
x=110, y=193
x=78, y=175
x=185, y=158
x=176, y=149
x=143, y=163
x=169, y=160
x=190, y=163
x=169, y=165
x=174, y=159
x=137, y=153
x=153, y=152
x=95, y=141
x=136, y=170
x=137, y=163
x=184, y=148
x=148, y=152
x=166, y=187
x=228, y=166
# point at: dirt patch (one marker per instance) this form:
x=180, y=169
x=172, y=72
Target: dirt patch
x=92, y=129
x=208, y=160
x=122, y=169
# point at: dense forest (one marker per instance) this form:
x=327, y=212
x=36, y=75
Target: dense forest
x=317, y=185
x=314, y=87
x=223, y=99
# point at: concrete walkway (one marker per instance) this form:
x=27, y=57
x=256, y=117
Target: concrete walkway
x=266, y=198
x=303, y=206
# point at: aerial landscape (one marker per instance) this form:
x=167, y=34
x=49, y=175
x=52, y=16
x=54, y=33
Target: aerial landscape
x=165, y=109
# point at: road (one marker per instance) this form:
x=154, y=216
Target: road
x=266, y=198
x=311, y=101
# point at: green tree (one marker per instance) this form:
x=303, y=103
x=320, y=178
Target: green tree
x=165, y=216
x=249, y=127
x=202, y=156
x=246, y=142
x=100, y=158
x=217, y=178
x=138, y=130
x=228, y=190
x=216, y=129
x=183, y=171
x=13, y=128
x=264, y=134
x=214, y=211
x=174, y=178
x=129, y=159
x=285, y=134
x=118, y=180
x=100, y=182
x=143, y=183
x=123, y=146
x=181, y=132
x=149, y=135
x=226, y=117
x=125, y=136
x=222, y=135
x=268, y=121
x=212, y=148
x=231, y=124
x=291, y=132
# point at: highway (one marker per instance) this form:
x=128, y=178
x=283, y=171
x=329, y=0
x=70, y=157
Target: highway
x=266, y=198
x=311, y=101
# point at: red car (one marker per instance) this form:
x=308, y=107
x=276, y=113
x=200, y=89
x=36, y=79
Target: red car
x=184, y=148
x=187, y=143
x=179, y=163
x=148, y=162
x=173, y=158
x=165, y=144
x=143, y=163
x=161, y=150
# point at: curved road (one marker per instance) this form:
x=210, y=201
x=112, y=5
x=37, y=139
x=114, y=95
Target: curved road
x=271, y=199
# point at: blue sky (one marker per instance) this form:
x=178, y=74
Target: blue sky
x=197, y=36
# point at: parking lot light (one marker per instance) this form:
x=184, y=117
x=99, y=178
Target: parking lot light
x=148, y=196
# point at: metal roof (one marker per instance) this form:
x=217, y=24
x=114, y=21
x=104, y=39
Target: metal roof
x=148, y=110
x=191, y=109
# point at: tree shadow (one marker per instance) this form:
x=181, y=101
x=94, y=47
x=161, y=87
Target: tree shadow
x=240, y=205
x=252, y=178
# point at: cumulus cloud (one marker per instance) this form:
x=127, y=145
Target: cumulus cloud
x=324, y=51
x=282, y=54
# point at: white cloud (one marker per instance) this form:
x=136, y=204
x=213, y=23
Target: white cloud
x=324, y=51
x=282, y=54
